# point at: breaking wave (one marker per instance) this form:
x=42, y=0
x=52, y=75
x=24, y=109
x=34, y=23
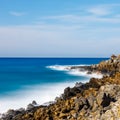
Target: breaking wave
x=75, y=72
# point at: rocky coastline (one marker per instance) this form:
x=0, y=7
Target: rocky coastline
x=98, y=99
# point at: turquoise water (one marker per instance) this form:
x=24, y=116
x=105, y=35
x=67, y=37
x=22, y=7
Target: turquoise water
x=15, y=73
x=32, y=74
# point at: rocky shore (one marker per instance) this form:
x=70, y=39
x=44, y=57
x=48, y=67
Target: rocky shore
x=98, y=99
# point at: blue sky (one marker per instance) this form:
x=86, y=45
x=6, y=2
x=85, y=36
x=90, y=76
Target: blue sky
x=59, y=28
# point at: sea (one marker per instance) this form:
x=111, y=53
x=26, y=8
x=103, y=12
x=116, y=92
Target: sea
x=23, y=80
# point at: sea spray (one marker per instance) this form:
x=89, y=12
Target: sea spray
x=76, y=71
x=24, y=80
x=40, y=93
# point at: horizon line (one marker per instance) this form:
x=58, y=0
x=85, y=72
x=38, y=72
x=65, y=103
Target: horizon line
x=53, y=57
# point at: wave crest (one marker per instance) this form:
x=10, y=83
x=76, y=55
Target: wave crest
x=76, y=71
x=63, y=67
x=59, y=67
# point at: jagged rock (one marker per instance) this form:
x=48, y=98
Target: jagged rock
x=34, y=102
x=99, y=99
x=32, y=105
x=78, y=84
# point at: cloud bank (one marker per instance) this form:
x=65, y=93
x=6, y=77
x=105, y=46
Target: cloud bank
x=92, y=34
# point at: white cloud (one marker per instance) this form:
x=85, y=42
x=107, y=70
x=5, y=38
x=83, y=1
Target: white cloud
x=103, y=9
x=14, y=13
x=106, y=13
x=99, y=11
x=90, y=34
x=46, y=40
x=80, y=19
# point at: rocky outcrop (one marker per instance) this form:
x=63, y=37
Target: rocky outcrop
x=107, y=67
x=99, y=99
x=110, y=66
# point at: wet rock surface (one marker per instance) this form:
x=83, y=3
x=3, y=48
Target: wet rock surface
x=99, y=99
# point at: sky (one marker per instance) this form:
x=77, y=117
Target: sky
x=59, y=28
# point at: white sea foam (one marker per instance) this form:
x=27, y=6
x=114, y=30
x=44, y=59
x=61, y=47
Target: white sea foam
x=76, y=71
x=63, y=67
x=59, y=67
x=40, y=93
x=85, y=73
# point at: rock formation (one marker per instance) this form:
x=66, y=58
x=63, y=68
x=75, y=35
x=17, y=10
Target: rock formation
x=99, y=99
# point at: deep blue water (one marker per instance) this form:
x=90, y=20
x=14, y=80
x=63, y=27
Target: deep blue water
x=18, y=72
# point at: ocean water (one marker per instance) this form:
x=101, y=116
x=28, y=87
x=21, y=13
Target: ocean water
x=23, y=80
